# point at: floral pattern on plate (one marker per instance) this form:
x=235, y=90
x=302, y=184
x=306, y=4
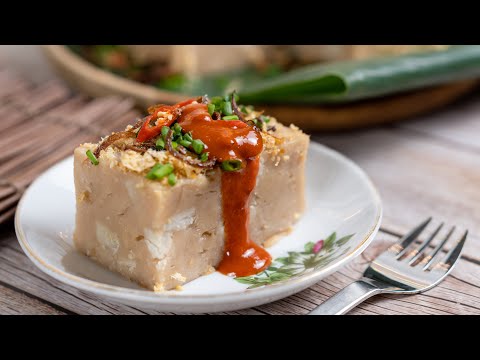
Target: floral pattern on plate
x=296, y=263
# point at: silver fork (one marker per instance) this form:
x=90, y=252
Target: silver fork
x=398, y=270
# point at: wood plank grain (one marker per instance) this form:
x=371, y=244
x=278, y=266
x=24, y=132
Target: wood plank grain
x=18, y=271
x=457, y=125
x=458, y=294
x=417, y=176
x=15, y=303
x=11, y=83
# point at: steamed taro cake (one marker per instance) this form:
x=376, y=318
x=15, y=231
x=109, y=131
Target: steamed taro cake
x=194, y=187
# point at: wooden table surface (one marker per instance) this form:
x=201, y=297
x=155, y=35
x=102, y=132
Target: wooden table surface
x=429, y=166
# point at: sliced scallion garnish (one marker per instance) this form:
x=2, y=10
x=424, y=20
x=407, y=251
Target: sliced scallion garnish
x=177, y=129
x=216, y=100
x=198, y=146
x=160, y=144
x=165, y=170
x=227, y=108
x=151, y=173
x=188, y=136
x=93, y=158
x=165, y=130
x=159, y=171
x=204, y=157
x=172, y=179
x=230, y=117
x=231, y=165
x=185, y=143
x=211, y=108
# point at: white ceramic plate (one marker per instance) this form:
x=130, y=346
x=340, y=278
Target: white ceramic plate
x=340, y=199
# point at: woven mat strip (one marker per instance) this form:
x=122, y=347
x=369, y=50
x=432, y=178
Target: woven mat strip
x=7, y=189
x=40, y=125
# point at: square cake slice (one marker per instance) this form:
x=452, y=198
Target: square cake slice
x=159, y=219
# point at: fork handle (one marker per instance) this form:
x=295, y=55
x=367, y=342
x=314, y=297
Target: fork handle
x=346, y=299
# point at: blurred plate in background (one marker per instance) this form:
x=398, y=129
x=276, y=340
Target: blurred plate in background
x=95, y=81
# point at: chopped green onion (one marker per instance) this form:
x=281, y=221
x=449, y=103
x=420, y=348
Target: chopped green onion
x=230, y=117
x=216, y=100
x=160, y=144
x=177, y=128
x=172, y=179
x=211, y=108
x=165, y=170
x=204, y=157
x=227, y=108
x=219, y=107
x=188, y=136
x=174, y=145
x=198, y=146
x=159, y=171
x=92, y=158
x=185, y=143
x=165, y=130
x=151, y=173
x=231, y=165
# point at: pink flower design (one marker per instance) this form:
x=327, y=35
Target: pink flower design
x=318, y=246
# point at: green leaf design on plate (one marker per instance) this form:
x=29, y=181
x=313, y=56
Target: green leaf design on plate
x=343, y=240
x=328, y=244
x=309, y=246
x=297, y=263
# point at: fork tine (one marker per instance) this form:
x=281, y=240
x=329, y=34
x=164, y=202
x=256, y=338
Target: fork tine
x=419, y=252
x=453, y=254
x=401, y=246
x=428, y=260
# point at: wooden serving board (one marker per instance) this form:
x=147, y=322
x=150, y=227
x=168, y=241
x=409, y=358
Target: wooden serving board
x=371, y=112
x=94, y=81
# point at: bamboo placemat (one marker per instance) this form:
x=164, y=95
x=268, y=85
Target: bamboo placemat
x=42, y=124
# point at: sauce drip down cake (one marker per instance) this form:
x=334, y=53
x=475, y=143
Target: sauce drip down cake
x=201, y=185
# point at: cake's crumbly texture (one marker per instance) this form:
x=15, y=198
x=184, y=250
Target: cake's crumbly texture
x=163, y=236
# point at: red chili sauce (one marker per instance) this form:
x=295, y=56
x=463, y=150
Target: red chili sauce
x=232, y=140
